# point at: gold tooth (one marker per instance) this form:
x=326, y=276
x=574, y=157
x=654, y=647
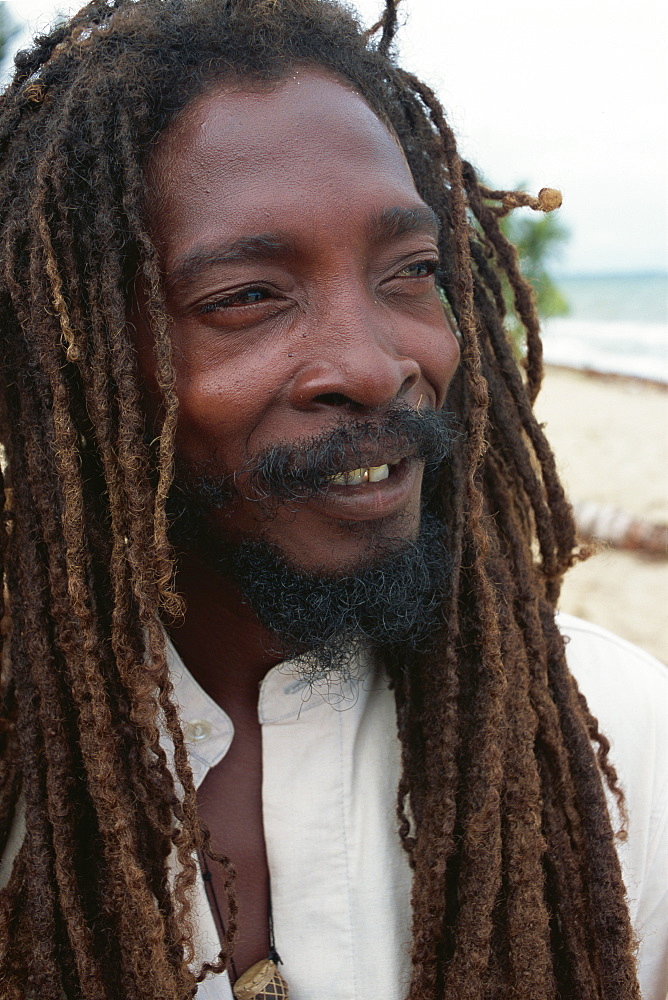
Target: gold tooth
x=345, y=478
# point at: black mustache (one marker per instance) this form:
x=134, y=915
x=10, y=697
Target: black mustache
x=301, y=470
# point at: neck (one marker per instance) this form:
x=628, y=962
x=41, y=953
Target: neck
x=221, y=641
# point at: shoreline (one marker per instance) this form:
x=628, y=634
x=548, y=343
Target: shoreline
x=613, y=377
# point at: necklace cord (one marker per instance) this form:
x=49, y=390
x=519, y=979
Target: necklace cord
x=213, y=898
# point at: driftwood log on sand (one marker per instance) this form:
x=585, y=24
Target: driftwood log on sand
x=607, y=523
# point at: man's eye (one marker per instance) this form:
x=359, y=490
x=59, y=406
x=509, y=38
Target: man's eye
x=419, y=269
x=245, y=297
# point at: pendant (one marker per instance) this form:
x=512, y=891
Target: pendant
x=262, y=981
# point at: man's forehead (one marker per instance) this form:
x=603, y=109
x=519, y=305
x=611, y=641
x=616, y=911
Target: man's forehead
x=248, y=121
x=236, y=96
x=234, y=155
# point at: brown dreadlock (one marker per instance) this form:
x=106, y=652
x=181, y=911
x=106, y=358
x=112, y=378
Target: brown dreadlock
x=517, y=888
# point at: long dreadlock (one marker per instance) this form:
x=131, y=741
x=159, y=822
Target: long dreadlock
x=517, y=888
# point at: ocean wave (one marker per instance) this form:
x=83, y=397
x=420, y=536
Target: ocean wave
x=622, y=348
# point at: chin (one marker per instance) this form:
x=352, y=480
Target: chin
x=389, y=593
x=351, y=547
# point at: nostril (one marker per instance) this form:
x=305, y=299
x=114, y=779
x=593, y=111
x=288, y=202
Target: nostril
x=408, y=384
x=333, y=399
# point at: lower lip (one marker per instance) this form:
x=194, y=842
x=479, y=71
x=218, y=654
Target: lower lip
x=369, y=501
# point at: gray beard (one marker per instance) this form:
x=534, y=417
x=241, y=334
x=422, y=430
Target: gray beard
x=326, y=621
x=394, y=601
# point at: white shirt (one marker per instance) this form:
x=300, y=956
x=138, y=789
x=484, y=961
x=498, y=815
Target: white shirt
x=339, y=876
x=340, y=880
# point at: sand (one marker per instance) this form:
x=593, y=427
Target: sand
x=610, y=436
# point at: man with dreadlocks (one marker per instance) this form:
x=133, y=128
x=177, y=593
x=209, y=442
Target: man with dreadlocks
x=240, y=455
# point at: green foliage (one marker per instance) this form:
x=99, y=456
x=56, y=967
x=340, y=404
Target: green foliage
x=539, y=240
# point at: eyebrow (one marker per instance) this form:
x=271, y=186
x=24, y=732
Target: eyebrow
x=389, y=223
x=392, y=223
x=265, y=246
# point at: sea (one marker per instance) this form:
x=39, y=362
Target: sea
x=617, y=324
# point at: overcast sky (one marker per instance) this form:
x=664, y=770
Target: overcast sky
x=573, y=95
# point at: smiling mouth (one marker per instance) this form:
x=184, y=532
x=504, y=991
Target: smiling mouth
x=371, y=491
x=366, y=474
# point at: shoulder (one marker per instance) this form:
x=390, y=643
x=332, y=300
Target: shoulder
x=596, y=655
x=583, y=635
x=626, y=688
x=627, y=691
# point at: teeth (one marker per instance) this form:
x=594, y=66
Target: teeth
x=378, y=472
x=371, y=474
x=354, y=478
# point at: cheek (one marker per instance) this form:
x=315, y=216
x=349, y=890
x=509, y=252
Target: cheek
x=213, y=417
x=222, y=405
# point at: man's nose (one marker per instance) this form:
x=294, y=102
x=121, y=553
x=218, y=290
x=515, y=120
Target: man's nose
x=355, y=363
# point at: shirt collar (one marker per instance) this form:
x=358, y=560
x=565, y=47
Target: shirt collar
x=207, y=729
x=285, y=694
x=284, y=697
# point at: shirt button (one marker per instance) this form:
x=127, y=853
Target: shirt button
x=196, y=730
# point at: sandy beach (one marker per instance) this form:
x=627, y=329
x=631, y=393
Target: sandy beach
x=610, y=436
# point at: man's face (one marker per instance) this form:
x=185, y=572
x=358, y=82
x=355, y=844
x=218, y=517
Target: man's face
x=298, y=262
